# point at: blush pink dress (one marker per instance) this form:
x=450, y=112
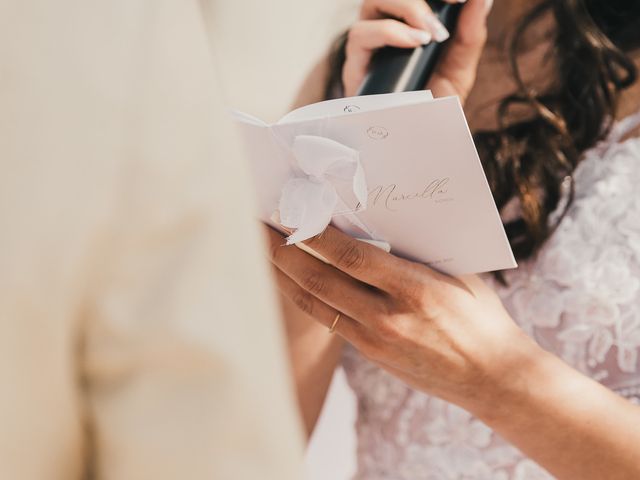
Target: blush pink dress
x=579, y=298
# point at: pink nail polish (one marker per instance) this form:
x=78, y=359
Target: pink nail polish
x=438, y=30
x=421, y=36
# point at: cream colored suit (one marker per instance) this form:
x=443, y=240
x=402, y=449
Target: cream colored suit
x=138, y=335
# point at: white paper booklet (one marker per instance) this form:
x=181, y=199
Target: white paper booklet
x=400, y=168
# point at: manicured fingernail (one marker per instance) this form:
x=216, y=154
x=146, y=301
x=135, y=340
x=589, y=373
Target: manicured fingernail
x=488, y=4
x=438, y=30
x=421, y=36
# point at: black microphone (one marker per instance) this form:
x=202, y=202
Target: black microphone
x=405, y=69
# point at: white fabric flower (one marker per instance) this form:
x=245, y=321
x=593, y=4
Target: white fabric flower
x=459, y=439
x=611, y=276
x=538, y=302
x=568, y=263
x=628, y=341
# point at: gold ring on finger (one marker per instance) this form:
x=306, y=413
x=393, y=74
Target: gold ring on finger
x=335, y=323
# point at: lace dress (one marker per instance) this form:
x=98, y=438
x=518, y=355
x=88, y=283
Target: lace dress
x=579, y=298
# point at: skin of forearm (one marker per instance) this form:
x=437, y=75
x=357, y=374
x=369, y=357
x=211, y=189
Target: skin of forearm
x=565, y=421
x=315, y=354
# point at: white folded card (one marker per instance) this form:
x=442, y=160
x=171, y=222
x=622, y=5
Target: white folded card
x=399, y=168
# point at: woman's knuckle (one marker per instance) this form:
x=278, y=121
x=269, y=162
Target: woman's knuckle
x=351, y=257
x=390, y=332
x=315, y=283
x=304, y=301
x=408, y=289
x=389, y=27
x=353, y=33
x=381, y=312
x=416, y=11
x=377, y=318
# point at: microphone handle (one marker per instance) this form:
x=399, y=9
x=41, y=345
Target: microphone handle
x=405, y=69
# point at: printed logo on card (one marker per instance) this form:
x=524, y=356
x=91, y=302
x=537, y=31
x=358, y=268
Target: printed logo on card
x=377, y=132
x=351, y=108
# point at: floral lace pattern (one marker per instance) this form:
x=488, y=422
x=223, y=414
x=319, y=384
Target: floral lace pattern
x=579, y=298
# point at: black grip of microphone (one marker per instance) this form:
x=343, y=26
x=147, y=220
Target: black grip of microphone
x=406, y=69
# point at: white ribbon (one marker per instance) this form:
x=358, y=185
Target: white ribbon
x=308, y=203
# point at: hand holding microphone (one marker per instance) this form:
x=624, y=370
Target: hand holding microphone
x=424, y=56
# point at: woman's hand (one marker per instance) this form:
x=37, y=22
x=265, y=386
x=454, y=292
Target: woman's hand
x=452, y=338
x=456, y=71
x=449, y=337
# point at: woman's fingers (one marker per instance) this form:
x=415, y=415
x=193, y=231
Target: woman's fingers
x=395, y=23
x=345, y=326
x=416, y=13
x=369, y=35
x=367, y=263
x=325, y=283
x=456, y=71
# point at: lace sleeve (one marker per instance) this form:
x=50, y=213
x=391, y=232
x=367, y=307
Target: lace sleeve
x=580, y=298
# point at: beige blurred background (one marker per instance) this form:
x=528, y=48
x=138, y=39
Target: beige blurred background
x=265, y=55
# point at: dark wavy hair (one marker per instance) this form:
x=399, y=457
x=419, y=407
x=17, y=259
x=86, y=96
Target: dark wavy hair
x=533, y=154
